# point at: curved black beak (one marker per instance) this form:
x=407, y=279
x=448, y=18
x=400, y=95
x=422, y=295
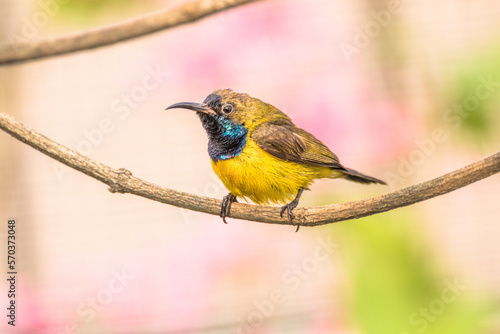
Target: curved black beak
x=198, y=107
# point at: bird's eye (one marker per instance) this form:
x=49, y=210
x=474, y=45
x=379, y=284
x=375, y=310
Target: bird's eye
x=227, y=109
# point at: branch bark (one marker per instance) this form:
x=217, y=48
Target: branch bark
x=183, y=14
x=122, y=181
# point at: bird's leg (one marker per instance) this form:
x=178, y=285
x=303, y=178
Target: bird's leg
x=226, y=206
x=290, y=206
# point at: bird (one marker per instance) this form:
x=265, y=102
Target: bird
x=260, y=154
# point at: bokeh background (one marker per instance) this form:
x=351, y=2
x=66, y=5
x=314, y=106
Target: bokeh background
x=401, y=90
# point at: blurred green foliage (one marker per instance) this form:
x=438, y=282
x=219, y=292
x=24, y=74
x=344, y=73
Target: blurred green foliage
x=395, y=285
x=86, y=13
x=480, y=122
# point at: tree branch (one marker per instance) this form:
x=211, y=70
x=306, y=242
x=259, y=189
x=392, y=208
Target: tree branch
x=122, y=181
x=183, y=14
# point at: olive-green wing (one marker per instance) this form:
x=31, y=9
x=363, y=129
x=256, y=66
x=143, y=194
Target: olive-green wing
x=289, y=142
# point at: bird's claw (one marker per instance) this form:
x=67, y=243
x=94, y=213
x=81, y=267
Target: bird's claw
x=226, y=206
x=290, y=206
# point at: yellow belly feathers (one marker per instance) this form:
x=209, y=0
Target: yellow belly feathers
x=263, y=178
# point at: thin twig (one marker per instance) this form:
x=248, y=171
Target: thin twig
x=122, y=181
x=186, y=13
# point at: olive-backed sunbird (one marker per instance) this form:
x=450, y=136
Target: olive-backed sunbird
x=259, y=154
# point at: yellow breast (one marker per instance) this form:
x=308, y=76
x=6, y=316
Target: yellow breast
x=263, y=178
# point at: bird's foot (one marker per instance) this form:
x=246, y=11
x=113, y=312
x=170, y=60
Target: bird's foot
x=290, y=206
x=226, y=206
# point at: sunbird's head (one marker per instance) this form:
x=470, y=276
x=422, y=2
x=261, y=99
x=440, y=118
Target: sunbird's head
x=242, y=109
